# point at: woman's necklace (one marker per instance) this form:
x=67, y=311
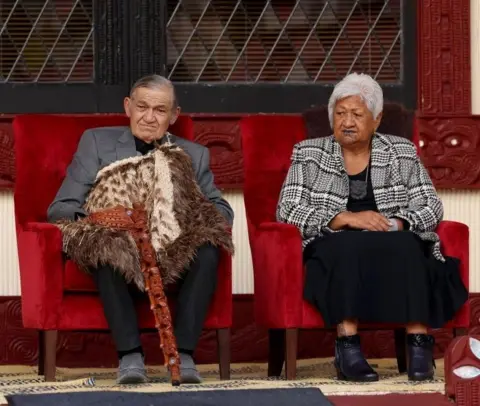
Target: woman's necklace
x=358, y=188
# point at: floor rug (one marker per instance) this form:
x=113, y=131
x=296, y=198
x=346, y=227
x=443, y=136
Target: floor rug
x=419, y=399
x=260, y=397
x=312, y=373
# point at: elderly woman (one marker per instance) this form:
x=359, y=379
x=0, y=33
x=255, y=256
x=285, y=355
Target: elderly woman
x=367, y=211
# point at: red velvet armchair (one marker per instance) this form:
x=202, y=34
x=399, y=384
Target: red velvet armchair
x=267, y=142
x=56, y=295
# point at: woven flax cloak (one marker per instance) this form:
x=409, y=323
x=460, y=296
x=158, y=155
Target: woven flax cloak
x=180, y=217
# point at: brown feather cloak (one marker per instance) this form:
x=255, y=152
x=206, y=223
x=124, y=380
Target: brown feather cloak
x=180, y=217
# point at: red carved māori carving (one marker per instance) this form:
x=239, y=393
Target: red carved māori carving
x=221, y=135
x=444, y=57
x=7, y=162
x=462, y=371
x=448, y=131
x=450, y=149
x=134, y=220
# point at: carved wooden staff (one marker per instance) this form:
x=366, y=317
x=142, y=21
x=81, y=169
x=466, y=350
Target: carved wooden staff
x=135, y=222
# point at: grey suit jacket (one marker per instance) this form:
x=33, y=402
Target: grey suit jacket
x=100, y=147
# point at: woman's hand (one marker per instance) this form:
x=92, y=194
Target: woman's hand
x=368, y=220
x=365, y=220
x=400, y=224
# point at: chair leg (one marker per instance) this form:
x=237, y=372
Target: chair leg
x=223, y=342
x=276, y=351
x=460, y=331
x=41, y=352
x=48, y=354
x=291, y=353
x=401, y=349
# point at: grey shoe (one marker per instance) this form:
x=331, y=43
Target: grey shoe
x=132, y=370
x=188, y=370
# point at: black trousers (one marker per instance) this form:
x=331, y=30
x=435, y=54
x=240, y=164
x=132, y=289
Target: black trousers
x=195, y=293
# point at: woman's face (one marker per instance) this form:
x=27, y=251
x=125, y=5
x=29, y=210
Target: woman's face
x=353, y=123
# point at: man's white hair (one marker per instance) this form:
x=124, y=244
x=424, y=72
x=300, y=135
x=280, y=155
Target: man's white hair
x=357, y=84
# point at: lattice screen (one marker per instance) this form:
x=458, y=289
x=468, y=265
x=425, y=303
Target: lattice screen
x=46, y=41
x=283, y=40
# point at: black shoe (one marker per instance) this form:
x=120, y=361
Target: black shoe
x=350, y=363
x=420, y=357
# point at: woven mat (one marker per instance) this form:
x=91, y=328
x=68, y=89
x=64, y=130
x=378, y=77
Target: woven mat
x=316, y=373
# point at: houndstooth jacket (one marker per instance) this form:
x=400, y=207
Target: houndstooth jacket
x=316, y=188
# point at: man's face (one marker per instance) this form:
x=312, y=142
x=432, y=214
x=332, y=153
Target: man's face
x=151, y=112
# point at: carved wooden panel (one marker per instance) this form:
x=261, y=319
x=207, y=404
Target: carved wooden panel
x=450, y=148
x=222, y=136
x=447, y=130
x=17, y=345
x=7, y=163
x=249, y=342
x=444, y=57
x=474, y=314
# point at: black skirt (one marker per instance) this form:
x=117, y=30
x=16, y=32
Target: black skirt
x=381, y=277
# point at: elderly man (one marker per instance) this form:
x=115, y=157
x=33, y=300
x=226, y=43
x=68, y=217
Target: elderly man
x=107, y=169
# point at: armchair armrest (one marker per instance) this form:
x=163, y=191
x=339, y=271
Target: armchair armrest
x=221, y=306
x=454, y=240
x=278, y=274
x=41, y=274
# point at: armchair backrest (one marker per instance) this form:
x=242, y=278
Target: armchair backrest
x=267, y=144
x=44, y=147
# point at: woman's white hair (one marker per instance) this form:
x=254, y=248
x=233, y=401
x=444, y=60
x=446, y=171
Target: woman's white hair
x=357, y=84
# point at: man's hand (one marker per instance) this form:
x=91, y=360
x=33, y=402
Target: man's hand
x=365, y=220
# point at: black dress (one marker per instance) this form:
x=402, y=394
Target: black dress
x=380, y=277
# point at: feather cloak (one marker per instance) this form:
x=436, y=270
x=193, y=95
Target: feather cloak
x=180, y=217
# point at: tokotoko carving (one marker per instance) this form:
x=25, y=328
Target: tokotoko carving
x=462, y=371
